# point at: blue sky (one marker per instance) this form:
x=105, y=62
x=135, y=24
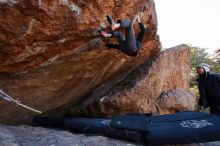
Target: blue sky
x=194, y=22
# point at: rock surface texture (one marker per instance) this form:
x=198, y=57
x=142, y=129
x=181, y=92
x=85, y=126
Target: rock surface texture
x=50, y=55
x=36, y=136
x=140, y=91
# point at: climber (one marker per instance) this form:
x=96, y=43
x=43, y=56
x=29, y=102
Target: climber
x=128, y=43
x=209, y=86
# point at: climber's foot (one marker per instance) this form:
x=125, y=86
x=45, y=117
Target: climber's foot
x=114, y=26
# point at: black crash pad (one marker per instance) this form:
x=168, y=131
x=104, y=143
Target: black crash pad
x=179, y=128
x=191, y=128
x=101, y=127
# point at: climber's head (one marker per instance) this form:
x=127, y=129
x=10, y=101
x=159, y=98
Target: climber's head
x=202, y=68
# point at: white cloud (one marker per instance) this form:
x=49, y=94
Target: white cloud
x=193, y=22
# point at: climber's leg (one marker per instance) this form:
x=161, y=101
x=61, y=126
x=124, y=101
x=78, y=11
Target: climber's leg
x=141, y=34
x=130, y=40
x=121, y=39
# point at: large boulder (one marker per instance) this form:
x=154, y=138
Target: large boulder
x=50, y=55
x=140, y=90
x=175, y=100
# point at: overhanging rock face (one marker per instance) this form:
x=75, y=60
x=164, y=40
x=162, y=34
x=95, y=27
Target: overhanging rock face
x=140, y=90
x=33, y=32
x=50, y=55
